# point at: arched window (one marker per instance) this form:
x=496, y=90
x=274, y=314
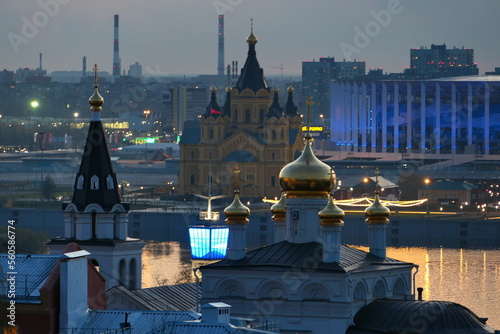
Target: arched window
x=359, y=293
x=399, y=287
x=379, y=290
x=247, y=116
x=191, y=180
x=273, y=156
x=116, y=220
x=133, y=275
x=73, y=224
x=273, y=181
x=236, y=115
x=273, y=135
x=282, y=134
x=192, y=154
x=94, y=224
x=121, y=272
x=261, y=115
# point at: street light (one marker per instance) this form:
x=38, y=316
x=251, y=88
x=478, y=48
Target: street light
x=427, y=181
x=146, y=113
x=366, y=180
x=34, y=105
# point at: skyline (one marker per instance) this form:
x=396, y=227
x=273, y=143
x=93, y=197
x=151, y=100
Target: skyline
x=66, y=30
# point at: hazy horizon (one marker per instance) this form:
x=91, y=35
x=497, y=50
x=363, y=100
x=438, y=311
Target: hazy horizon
x=176, y=38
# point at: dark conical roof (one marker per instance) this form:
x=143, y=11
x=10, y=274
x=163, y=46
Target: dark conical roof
x=213, y=108
x=290, y=107
x=252, y=75
x=275, y=110
x=96, y=180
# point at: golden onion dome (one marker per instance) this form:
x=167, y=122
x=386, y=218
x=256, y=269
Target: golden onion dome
x=377, y=213
x=96, y=100
x=279, y=209
x=213, y=89
x=252, y=39
x=229, y=89
x=290, y=89
x=331, y=215
x=307, y=176
x=236, y=213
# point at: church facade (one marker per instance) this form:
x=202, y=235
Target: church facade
x=251, y=130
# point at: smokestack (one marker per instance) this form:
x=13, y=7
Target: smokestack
x=220, y=63
x=116, y=53
x=40, y=61
x=84, y=67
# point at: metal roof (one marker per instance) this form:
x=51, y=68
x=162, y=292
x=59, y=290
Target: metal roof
x=307, y=256
x=181, y=297
x=412, y=316
x=31, y=273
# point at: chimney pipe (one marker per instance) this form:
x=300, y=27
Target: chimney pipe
x=220, y=65
x=116, y=52
x=420, y=290
x=40, y=61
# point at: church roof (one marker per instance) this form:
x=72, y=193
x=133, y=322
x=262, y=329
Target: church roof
x=404, y=316
x=213, y=108
x=291, y=109
x=240, y=156
x=307, y=256
x=252, y=75
x=275, y=110
x=96, y=181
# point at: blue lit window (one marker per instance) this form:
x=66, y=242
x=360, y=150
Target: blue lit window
x=208, y=242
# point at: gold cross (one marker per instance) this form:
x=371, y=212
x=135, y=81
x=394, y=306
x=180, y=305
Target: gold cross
x=236, y=172
x=95, y=74
x=376, y=177
x=309, y=103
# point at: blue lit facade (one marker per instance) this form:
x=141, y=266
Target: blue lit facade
x=208, y=242
x=446, y=116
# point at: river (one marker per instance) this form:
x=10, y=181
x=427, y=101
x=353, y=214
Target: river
x=470, y=277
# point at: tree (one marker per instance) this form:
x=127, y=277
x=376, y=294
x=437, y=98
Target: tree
x=48, y=187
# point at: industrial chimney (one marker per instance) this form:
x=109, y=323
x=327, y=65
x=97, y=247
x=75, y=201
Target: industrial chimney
x=220, y=62
x=84, y=67
x=116, y=53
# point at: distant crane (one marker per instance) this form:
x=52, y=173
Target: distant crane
x=280, y=68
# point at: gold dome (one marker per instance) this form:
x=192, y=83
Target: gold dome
x=290, y=89
x=229, y=89
x=377, y=213
x=307, y=176
x=236, y=213
x=213, y=89
x=279, y=209
x=331, y=215
x=96, y=100
x=252, y=39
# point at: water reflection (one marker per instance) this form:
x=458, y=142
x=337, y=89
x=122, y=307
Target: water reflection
x=465, y=276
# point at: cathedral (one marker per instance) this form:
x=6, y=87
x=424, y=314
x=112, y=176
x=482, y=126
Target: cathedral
x=251, y=130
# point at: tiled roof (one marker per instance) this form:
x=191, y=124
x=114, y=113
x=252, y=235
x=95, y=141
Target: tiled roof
x=396, y=316
x=307, y=256
x=31, y=273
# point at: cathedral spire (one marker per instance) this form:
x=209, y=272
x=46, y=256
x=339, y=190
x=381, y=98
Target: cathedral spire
x=252, y=75
x=96, y=181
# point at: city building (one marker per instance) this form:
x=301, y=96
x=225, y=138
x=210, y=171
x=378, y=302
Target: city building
x=251, y=130
x=184, y=103
x=447, y=192
x=449, y=116
x=96, y=218
x=317, y=77
x=438, y=61
x=135, y=70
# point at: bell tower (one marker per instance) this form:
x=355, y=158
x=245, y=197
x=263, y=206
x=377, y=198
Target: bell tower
x=96, y=218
